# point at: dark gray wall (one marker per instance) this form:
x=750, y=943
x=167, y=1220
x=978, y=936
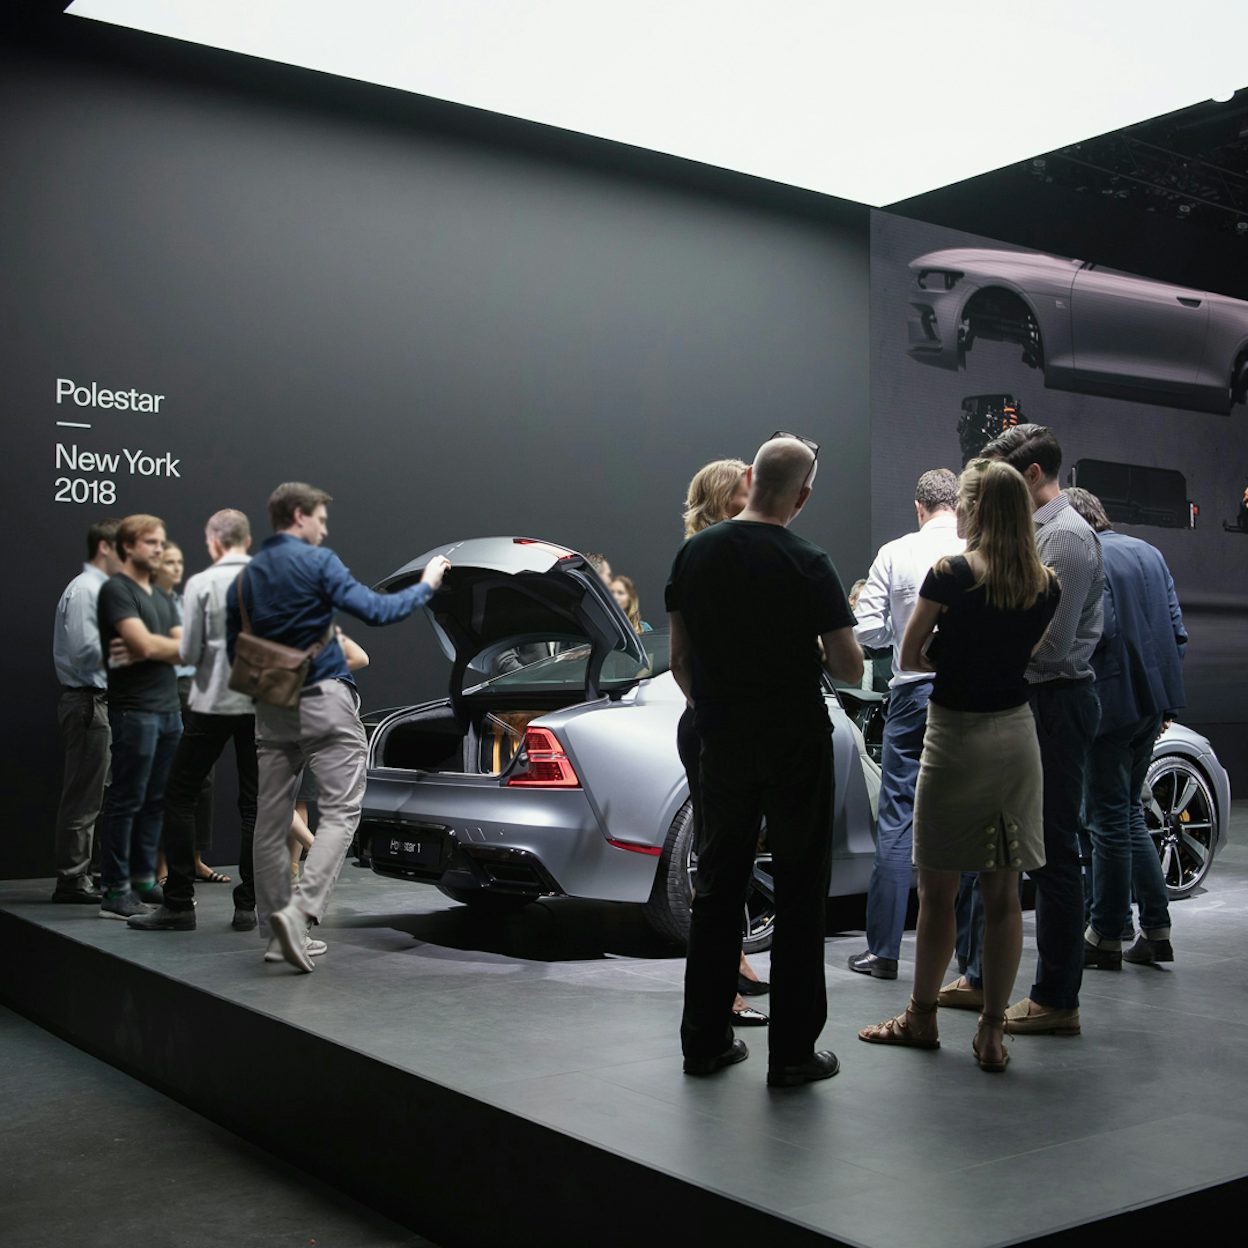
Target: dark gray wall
x=460, y=326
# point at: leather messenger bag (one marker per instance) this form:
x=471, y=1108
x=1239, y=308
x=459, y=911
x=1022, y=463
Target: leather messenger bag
x=266, y=670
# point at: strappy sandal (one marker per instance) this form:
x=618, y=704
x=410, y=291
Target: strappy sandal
x=213, y=877
x=994, y=1068
x=897, y=1030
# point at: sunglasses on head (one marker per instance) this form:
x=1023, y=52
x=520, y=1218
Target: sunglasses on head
x=812, y=446
x=784, y=433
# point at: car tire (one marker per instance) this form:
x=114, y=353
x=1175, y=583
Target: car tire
x=669, y=909
x=1181, y=815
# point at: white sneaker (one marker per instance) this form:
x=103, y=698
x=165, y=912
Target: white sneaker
x=274, y=952
x=290, y=940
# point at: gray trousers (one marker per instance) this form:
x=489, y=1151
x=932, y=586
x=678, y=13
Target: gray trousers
x=324, y=733
x=82, y=719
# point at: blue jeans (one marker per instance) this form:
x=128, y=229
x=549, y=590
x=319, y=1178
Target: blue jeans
x=1067, y=715
x=1148, y=884
x=134, y=807
x=889, y=890
x=1123, y=856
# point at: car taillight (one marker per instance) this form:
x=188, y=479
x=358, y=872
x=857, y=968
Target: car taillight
x=545, y=765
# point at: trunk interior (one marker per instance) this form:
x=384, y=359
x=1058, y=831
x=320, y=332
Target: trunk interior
x=482, y=741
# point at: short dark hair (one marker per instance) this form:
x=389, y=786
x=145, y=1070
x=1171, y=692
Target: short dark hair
x=292, y=495
x=937, y=490
x=1025, y=445
x=1089, y=507
x=101, y=531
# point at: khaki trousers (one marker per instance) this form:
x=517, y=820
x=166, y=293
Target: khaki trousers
x=324, y=732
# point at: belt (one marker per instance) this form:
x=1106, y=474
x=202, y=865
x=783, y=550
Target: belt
x=1060, y=682
x=316, y=691
x=93, y=689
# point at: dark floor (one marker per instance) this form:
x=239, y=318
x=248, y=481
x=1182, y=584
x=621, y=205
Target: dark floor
x=89, y=1156
x=566, y=1014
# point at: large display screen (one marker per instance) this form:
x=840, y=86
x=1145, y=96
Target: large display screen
x=1143, y=383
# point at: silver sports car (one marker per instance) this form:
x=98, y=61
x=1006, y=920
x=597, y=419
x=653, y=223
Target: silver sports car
x=1089, y=328
x=551, y=768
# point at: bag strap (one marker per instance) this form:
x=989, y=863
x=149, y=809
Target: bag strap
x=242, y=606
x=245, y=620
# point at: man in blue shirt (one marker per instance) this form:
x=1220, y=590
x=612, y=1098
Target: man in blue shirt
x=291, y=590
x=1139, y=680
x=82, y=716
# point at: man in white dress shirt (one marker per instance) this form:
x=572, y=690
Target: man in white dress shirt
x=82, y=716
x=883, y=611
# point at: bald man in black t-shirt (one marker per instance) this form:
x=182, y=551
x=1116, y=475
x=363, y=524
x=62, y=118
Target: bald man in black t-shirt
x=756, y=614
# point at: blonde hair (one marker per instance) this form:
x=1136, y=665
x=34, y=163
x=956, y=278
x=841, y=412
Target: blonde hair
x=633, y=610
x=710, y=493
x=994, y=505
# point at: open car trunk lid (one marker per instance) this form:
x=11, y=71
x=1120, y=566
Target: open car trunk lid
x=512, y=602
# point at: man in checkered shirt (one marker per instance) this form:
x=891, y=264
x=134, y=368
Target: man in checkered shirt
x=1062, y=694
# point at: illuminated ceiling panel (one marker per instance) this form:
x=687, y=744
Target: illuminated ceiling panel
x=871, y=103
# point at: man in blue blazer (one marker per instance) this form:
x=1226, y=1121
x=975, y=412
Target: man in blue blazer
x=1139, y=680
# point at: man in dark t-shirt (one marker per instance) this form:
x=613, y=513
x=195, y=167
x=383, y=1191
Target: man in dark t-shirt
x=139, y=631
x=756, y=613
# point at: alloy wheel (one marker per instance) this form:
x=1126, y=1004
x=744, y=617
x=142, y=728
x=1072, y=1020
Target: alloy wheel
x=1179, y=813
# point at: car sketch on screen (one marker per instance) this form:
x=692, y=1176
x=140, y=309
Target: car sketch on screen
x=1087, y=328
x=551, y=768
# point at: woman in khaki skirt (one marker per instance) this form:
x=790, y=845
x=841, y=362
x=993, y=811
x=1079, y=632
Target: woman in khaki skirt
x=978, y=800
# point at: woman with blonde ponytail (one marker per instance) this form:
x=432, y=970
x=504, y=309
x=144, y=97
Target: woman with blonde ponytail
x=978, y=799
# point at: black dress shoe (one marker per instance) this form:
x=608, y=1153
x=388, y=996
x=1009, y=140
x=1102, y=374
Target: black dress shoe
x=163, y=920
x=866, y=963
x=244, y=920
x=736, y=1052
x=1145, y=952
x=752, y=987
x=77, y=896
x=822, y=1065
x=749, y=1017
x=1098, y=958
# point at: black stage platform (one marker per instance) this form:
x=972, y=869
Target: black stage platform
x=518, y=1080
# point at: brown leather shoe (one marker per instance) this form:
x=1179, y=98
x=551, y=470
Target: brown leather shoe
x=959, y=995
x=1026, y=1018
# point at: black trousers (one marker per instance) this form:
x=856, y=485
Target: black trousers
x=785, y=775
x=203, y=739
x=203, y=809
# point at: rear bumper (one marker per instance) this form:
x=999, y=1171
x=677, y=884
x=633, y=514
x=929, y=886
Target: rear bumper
x=472, y=832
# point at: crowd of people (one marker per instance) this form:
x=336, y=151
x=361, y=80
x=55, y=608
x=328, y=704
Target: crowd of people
x=1032, y=657
x=139, y=758
x=1035, y=657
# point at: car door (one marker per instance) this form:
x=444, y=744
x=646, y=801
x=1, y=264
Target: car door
x=1136, y=334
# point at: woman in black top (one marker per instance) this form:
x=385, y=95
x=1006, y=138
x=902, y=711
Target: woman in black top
x=978, y=799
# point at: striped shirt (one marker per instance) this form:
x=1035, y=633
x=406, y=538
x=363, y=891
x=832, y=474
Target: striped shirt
x=1068, y=545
